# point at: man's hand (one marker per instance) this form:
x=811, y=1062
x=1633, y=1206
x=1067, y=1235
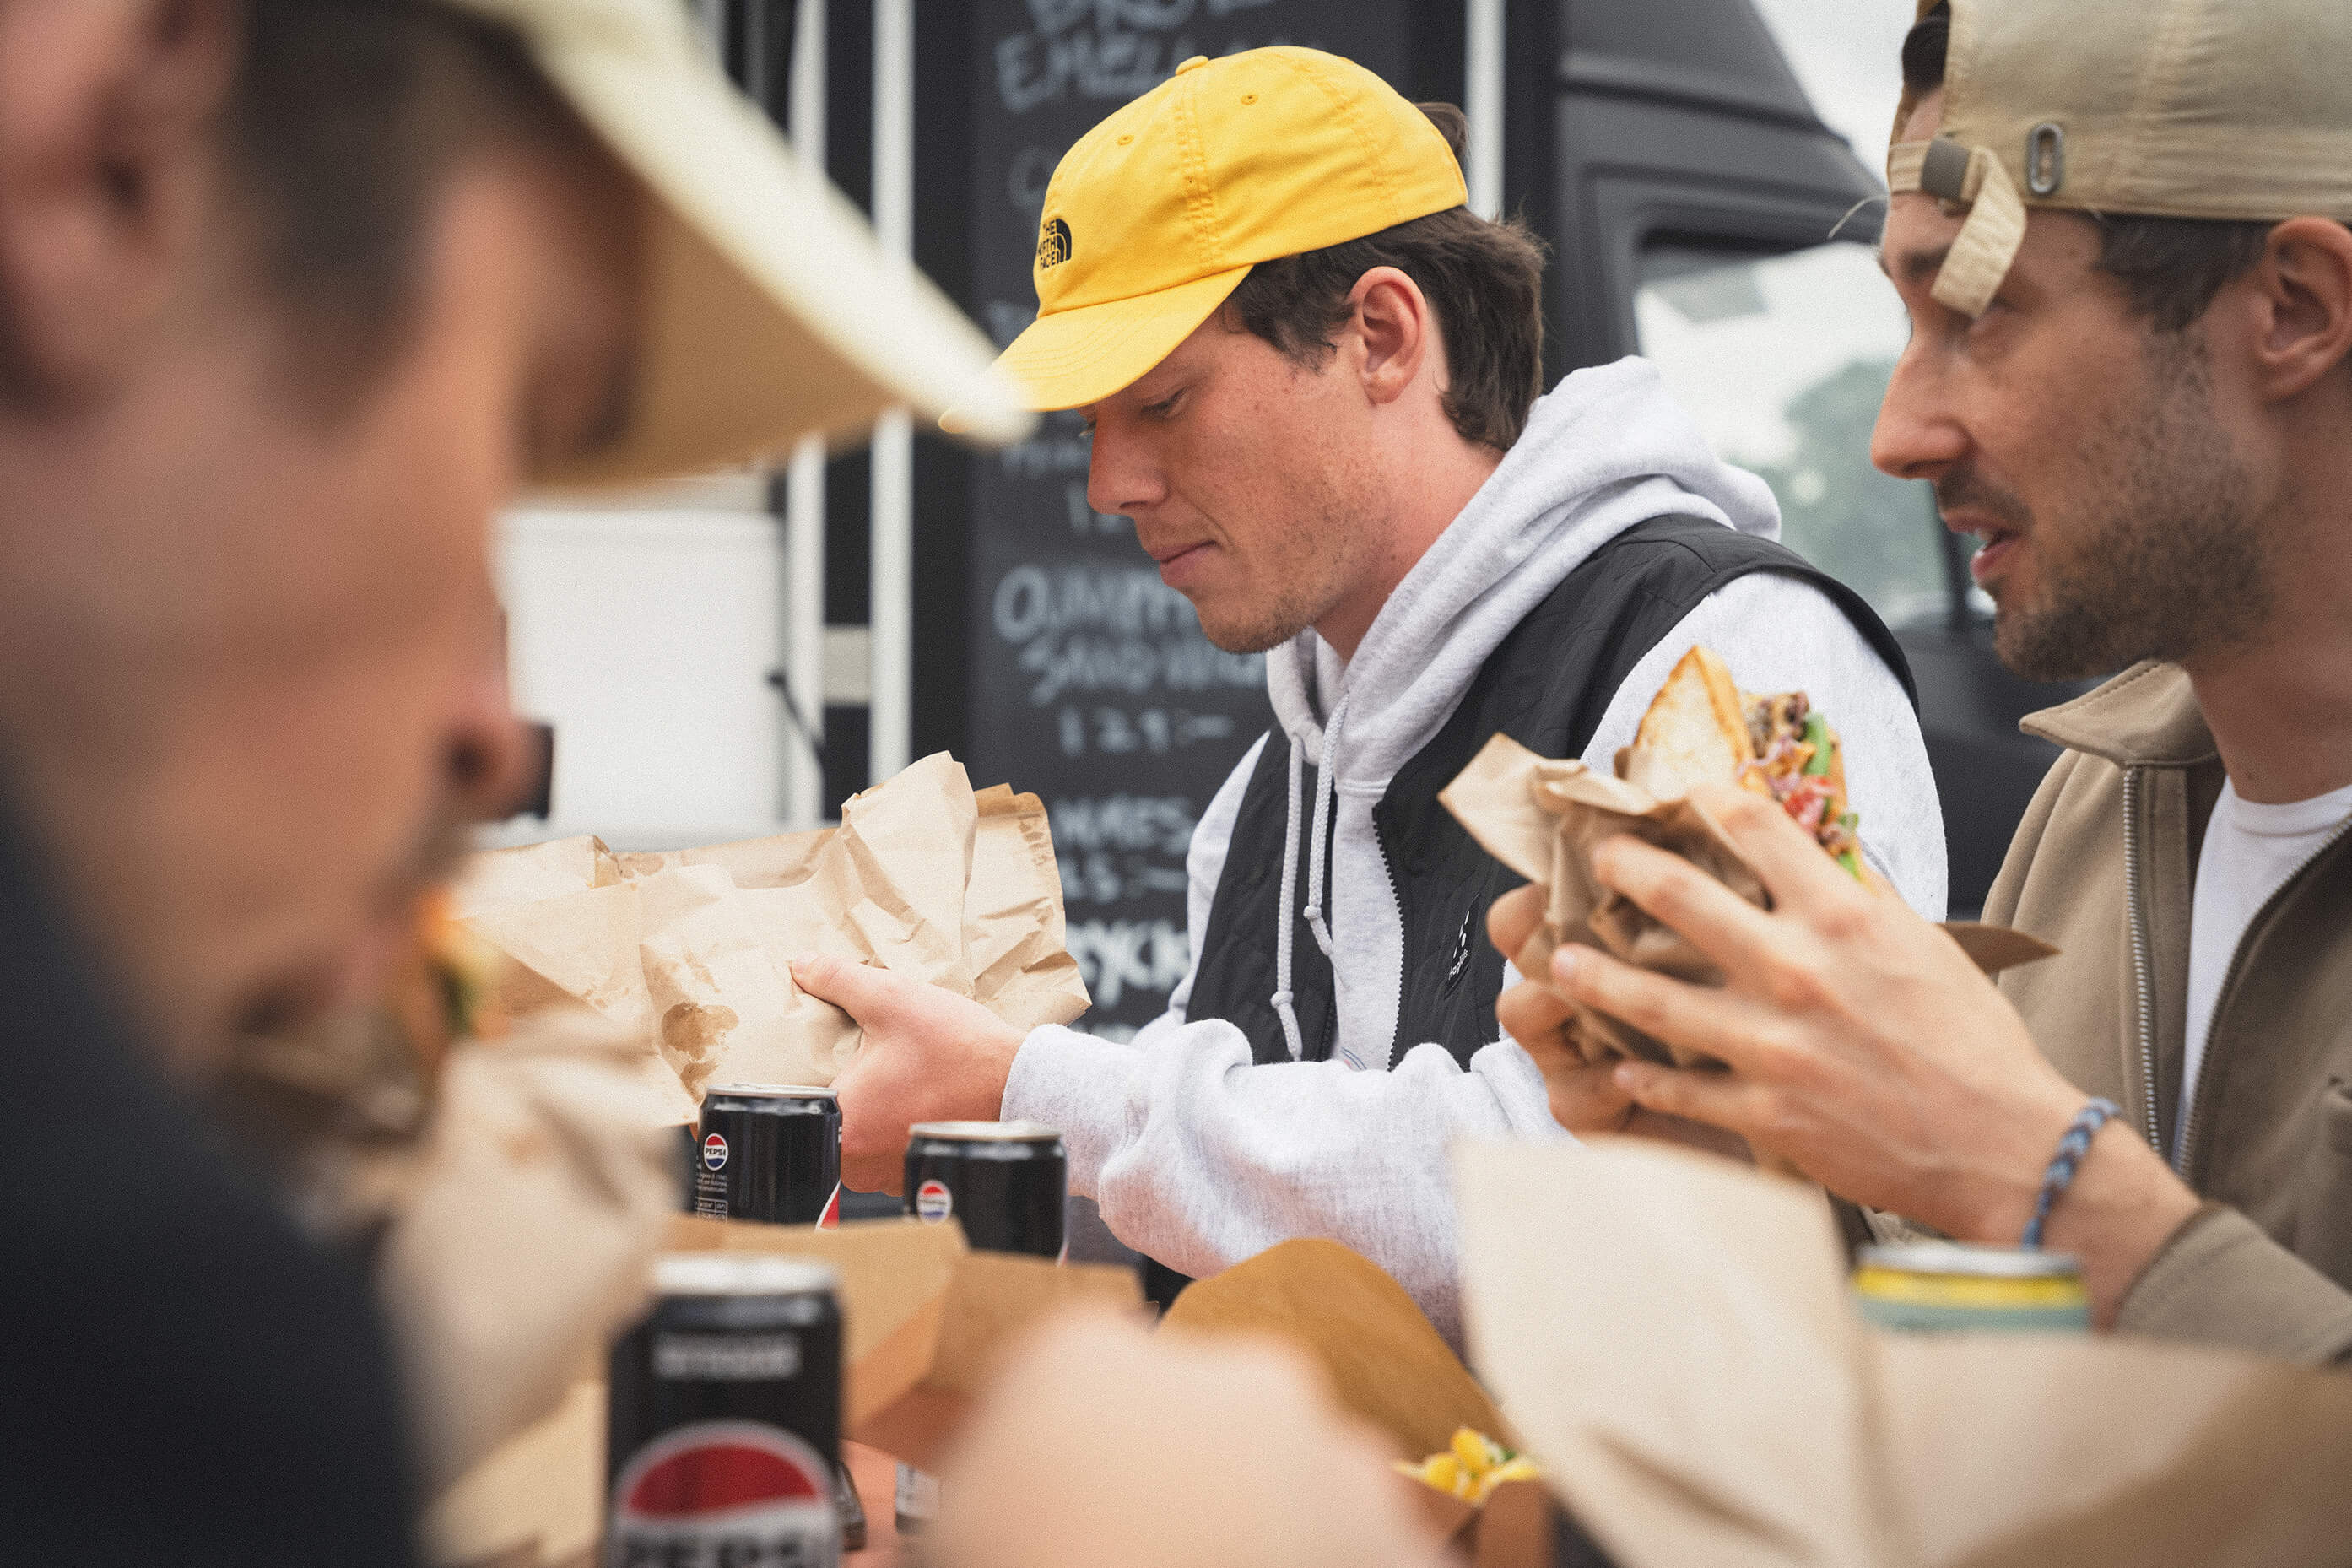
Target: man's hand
x=1866, y=1049
x=1585, y=1096
x=929, y=1055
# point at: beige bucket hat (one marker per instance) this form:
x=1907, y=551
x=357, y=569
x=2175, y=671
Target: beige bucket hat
x=770, y=312
x=2200, y=109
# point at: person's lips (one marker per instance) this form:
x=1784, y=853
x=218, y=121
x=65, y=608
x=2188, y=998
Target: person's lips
x=1998, y=540
x=1180, y=563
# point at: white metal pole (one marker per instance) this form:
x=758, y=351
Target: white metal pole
x=890, y=618
x=1483, y=106
x=803, y=596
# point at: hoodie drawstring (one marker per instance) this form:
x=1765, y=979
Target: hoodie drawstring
x=1281, y=997
x=1320, y=840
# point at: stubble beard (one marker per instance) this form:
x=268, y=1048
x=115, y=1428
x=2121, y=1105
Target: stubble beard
x=1312, y=564
x=2169, y=560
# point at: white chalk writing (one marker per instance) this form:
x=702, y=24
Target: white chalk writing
x=1116, y=956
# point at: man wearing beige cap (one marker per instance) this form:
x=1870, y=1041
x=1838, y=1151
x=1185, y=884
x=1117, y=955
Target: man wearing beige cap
x=293, y=294
x=1312, y=376
x=2121, y=233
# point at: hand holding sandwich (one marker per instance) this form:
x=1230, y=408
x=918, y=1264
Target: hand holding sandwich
x=1734, y=965
x=1863, y=1049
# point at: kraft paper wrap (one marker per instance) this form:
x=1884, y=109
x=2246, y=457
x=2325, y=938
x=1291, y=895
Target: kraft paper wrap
x=693, y=949
x=1710, y=1396
x=926, y=1325
x=507, y=1193
x=1542, y=818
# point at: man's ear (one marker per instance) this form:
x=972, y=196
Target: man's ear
x=108, y=173
x=1397, y=329
x=2305, y=284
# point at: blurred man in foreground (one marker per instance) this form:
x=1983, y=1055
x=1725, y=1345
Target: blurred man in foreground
x=2124, y=254
x=293, y=294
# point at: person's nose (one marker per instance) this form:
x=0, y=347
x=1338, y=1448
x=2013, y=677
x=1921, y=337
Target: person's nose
x=1123, y=477
x=485, y=753
x=1918, y=434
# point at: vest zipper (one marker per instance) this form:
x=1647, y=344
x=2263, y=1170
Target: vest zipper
x=2142, y=982
x=2230, y=979
x=1388, y=875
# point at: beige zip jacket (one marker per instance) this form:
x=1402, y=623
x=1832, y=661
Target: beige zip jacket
x=2105, y=864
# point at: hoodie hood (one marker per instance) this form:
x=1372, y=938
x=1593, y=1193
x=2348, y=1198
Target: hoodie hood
x=1606, y=449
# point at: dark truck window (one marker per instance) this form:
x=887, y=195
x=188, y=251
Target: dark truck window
x=1783, y=358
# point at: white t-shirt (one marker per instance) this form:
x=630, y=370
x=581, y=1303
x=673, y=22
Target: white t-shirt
x=2250, y=852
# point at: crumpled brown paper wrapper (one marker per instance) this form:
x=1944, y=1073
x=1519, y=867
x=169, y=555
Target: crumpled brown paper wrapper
x=533, y=1205
x=693, y=949
x=1712, y=1397
x=509, y=1197
x=1542, y=817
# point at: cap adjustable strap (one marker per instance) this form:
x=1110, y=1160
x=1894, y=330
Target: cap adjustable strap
x=1973, y=178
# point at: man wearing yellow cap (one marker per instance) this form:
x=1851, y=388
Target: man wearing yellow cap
x=1312, y=377
x=293, y=295
x=2121, y=233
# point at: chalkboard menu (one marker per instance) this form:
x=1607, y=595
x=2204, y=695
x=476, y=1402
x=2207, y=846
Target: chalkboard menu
x=1090, y=680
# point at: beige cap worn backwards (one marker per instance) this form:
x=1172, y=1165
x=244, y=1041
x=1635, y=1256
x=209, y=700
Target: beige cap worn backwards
x=2200, y=108
x=770, y=313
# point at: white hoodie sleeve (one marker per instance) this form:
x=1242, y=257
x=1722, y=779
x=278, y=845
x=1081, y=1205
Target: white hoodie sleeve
x=1201, y=1159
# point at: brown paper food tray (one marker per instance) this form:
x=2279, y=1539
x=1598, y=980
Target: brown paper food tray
x=1382, y=1361
x=924, y=1321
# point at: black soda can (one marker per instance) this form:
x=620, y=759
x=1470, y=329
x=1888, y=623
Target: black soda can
x=724, y=1438
x=1004, y=1181
x=690, y=1163
x=769, y=1152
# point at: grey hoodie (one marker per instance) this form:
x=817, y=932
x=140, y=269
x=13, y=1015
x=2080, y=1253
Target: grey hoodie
x=1200, y=1158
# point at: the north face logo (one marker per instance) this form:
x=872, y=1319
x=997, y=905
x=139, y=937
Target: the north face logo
x=1054, y=243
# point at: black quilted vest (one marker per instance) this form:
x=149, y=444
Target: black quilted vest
x=1546, y=686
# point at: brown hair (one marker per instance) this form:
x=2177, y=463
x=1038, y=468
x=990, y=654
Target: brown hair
x=1484, y=279
x=345, y=120
x=2171, y=268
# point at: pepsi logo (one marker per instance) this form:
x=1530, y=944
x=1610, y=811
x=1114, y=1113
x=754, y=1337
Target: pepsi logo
x=714, y=1152
x=933, y=1202
x=724, y=1494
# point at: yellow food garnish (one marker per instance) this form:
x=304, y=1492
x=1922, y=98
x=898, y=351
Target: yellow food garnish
x=464, y=970
x=1471, y=1469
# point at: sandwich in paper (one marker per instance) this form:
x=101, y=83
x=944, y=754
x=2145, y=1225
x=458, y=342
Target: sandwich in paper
x=1542, y=818
x=1701, y=726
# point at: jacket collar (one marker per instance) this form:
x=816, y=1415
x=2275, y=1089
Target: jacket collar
x=2146, y=717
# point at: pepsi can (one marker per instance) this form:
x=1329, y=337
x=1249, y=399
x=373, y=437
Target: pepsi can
x=1004, y=1181
x=724, y=1435
x=769, y=1152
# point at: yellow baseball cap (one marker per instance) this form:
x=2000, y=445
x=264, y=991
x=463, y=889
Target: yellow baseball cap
x=770, y=312
x=1160, y=212
x=2200, y=109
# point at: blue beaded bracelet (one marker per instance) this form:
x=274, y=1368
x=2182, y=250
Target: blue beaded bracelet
x=2064, y=1164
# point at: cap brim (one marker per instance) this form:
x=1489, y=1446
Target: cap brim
x=1074, y=358
x=770, y=312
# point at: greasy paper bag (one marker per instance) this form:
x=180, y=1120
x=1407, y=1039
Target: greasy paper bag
x=1542, y=817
